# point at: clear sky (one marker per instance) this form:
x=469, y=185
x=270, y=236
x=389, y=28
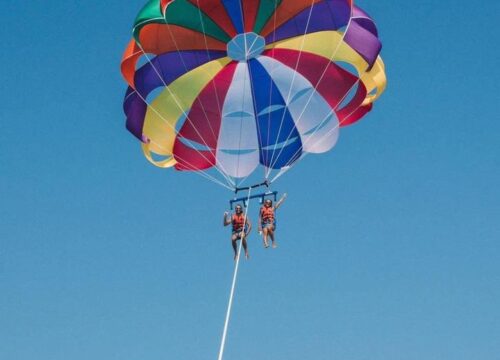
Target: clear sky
x=389, y=244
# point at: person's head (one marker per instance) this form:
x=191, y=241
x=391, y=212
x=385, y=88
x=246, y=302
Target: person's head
x=268, y=203
x=238, y=209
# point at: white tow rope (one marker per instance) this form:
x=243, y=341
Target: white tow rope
x=233, y=286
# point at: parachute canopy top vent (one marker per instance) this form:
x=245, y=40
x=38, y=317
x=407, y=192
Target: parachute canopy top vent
x=246, y=46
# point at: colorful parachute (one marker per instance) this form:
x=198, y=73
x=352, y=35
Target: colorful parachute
x=236, y=85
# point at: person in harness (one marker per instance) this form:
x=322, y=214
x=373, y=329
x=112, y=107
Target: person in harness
x=241, y=227
x=267, y=220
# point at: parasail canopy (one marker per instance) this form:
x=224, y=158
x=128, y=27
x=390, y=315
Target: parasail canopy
x=233, y=86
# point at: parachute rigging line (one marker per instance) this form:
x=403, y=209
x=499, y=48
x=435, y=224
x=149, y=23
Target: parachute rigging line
x=266, y=172
x=233, y=285
x=238, y=183
x=325, y=118
x=201, y=173
x=219, y=106
x=284, y=170
x=289, y=94
x=220, y=169
x=318, y=82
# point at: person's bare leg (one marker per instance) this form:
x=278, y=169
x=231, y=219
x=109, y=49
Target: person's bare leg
x=235, y=246
x=265, y=231
x=245, y=247
x=271, y=234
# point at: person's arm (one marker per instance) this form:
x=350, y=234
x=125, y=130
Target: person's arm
x=249, y=224
x=278, y=204
x=226, y=221
x=260, y=219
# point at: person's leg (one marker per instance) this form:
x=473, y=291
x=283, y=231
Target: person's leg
x=234, y=239
x=245, y=246
x=265, y=231
x=271, y=235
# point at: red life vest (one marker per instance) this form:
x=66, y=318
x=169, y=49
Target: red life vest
x=238, y=222
x=267, y=214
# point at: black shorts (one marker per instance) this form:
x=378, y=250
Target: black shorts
x=238, y=233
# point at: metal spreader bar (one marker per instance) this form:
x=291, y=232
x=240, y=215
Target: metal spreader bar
x=245, y=200
x=266, y=183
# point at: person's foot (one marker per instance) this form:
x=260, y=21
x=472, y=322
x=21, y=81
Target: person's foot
x=247, y=256
x=235, y=257
x=275, y=245
x=266, y=244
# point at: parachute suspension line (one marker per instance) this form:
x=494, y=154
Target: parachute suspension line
x=241, y=126
x=283, y=171
x=322, y=137
x=245, y=179
x=228, y=178
x=199, y=172
x=257, y=125
x=219, y=106
x=253, y=98
x=208, y=54
x=273, y=158
x=243, y=104
x=267, y=171
x=238, y=183
x=318, y=82
x=233, y=285
x=221, y=171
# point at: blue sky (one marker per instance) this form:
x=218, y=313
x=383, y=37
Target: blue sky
x=389, y=244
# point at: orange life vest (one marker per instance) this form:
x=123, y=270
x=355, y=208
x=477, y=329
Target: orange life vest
x=267, y=214
x=238, y=222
